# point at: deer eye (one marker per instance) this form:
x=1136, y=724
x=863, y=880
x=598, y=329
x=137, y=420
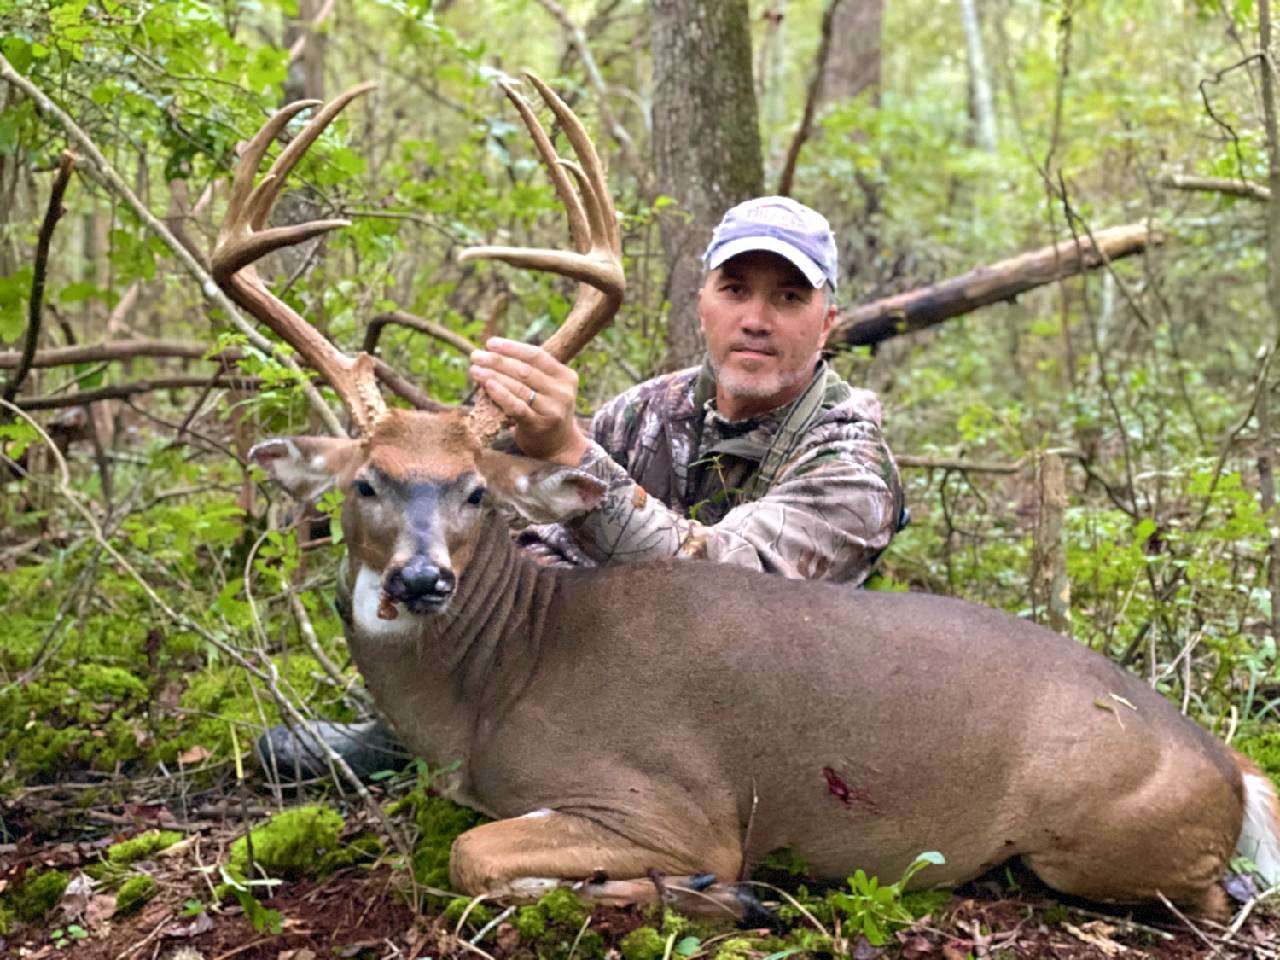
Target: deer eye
x=476, y=496
x=365, y=488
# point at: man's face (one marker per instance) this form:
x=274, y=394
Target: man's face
x=764, y=325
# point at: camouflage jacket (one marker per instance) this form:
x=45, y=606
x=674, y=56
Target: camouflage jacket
x=684, y=482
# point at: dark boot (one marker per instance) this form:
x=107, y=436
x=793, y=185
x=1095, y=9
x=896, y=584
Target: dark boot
x=287, y=755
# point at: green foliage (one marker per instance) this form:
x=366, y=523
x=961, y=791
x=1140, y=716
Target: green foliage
x=875, y=910
x=135, y=892
x=1263, y=748
x=289, y=846
x=142, y=846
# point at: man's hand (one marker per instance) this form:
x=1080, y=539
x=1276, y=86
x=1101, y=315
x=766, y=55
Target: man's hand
x=538, y=393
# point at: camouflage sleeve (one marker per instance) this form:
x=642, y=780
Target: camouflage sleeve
x=831, y=511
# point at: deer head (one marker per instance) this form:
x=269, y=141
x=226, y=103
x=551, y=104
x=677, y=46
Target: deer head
x=417, y=483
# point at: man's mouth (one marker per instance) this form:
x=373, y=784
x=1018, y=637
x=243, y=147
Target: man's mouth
x=752, y=350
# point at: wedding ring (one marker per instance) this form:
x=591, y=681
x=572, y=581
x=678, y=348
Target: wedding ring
x=533, y=394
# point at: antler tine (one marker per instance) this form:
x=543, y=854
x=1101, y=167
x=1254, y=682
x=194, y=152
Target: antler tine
x=241, y=242
x=597, y=266
x=262, y=199
x=598, y=197
x=579, y=231
x=251, y=158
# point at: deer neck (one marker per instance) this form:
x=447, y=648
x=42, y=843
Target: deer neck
x=436, y=675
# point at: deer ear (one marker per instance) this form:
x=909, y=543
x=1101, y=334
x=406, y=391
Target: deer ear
x=306, y=466
x=539, y=491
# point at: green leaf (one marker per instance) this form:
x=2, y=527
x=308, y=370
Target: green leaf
x=688, y=946
x=17, y=50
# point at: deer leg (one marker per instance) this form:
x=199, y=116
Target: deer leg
x=524, y=858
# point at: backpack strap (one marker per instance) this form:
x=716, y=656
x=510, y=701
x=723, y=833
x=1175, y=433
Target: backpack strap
x=794, y=425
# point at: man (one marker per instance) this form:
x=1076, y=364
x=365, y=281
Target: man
x=763, y=457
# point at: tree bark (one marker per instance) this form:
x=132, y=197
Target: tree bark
x=984, y=113
x=916, y=309
x=706, y=143
x=853, y=64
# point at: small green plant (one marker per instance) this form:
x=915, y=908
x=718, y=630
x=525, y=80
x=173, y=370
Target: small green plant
x=64, y=937
x=875, y=910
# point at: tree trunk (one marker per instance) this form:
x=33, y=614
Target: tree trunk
x=984, y=113
x=853, y=64
x=706, y=143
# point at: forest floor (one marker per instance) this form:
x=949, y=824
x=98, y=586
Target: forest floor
x=360, y=912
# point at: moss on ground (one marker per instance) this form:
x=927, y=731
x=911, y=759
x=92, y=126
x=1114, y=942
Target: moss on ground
x=142, y=846
x=37, y=893
x=134, y=892
x=643, y=943
x=553, y=927
x=438, y=822
x=291, y=845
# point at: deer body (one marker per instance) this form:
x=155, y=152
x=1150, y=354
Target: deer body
x=642, y=699
x=684, y=718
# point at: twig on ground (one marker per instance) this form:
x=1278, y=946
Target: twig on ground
x=1214, y=949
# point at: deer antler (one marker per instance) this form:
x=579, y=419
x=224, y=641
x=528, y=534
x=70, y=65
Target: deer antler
x=242, y=241
x=596, y=262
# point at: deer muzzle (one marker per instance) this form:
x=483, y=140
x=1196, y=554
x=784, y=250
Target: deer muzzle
x=421, y=585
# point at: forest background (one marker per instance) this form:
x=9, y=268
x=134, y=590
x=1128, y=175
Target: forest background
x=1095, y=453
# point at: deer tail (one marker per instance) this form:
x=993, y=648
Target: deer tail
x=1260, y=834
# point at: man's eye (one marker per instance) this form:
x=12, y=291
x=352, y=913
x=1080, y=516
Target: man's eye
x=476, y=496
x=365, y=488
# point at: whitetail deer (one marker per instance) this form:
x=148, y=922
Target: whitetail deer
x=687, y=718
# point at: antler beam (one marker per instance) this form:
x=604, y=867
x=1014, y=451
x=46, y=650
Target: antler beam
x=243, y=240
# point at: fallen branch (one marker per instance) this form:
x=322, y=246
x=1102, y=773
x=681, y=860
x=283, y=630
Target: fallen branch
x=1233, y=188
x=965, y=466
x=35, y=312
x=124, y=390
x=926, y=306
x=119, y=350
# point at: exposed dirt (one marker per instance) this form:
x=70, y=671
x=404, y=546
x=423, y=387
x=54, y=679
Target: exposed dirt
x=364, y=912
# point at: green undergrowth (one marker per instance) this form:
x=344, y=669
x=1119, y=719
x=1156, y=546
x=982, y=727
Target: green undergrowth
x=291, y=845
x=1263, y=748
x=437, y=822
x=28, y=900
x=134, y=892
x=142, y=846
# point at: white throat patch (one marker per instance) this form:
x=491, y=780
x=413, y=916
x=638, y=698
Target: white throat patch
x=365, y=599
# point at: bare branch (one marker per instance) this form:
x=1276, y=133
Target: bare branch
x=118, y=350
x=300, y=45
x=578, y=38
x=810, y=103
x=960, y=465
x=916, y=309
x=36, y=310
x=437, y=331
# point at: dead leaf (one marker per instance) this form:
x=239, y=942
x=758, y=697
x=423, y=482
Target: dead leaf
x=1097, y=934
x=195, y=754
x=951, y=952
x=302, y=953
x=200, y=923
x=100, y=908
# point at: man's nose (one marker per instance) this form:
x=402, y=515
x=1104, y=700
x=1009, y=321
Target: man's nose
x=756, y=316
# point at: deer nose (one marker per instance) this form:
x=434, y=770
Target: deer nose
x=420, y=579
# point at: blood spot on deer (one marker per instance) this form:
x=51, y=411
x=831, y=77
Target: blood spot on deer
x=846, y=794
